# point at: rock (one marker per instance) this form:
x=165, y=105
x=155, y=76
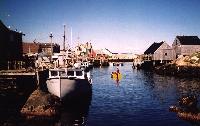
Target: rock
x=174, y=109
x=187, y=109
x=189, y=116
x=41, y=104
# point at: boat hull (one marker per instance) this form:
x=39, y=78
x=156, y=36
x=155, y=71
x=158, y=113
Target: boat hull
x=68, y=88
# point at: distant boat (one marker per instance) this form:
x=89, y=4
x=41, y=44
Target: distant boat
x=68, y=82
x=116, y=64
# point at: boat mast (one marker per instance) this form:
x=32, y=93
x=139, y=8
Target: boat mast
x=64, y=55
x=64, y=39
x=71, y=37
x=51, y=36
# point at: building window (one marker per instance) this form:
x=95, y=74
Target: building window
x=165, y=54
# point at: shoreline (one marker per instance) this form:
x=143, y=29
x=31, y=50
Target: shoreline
x=178, y=71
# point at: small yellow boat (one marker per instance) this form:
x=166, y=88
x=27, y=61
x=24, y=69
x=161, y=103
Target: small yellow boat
x=116, y=76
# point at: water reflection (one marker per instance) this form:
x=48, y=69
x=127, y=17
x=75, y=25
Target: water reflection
x=76, y=113
x=163, y=86
x=189, y=86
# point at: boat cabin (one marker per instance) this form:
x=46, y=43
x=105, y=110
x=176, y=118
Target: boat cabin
x=68, y=73
x=54, y=73
x=76, y=73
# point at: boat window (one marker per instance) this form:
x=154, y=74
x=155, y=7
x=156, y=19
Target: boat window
x=70, y=73
x=54, y=73
x=62, y=73
x=79, y=73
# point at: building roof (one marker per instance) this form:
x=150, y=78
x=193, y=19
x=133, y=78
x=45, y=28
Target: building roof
x=34, y=47
x=3, y=26
x=188, y=40
x=153, y=48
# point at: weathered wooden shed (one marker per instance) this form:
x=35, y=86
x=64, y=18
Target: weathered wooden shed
x=186, y=45
x=160, y=51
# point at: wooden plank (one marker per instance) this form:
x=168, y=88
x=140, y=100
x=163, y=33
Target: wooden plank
x=18, y=74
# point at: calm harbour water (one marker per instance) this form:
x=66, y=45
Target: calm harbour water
x=140, y=98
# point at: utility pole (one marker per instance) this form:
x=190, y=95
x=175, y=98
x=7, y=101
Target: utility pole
x=51, y=36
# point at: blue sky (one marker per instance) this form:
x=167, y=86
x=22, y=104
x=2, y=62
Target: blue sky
x=119, y=25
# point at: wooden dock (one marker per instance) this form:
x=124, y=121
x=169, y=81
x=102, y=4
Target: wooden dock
x=17, y=73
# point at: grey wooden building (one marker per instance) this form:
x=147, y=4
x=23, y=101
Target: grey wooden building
x=160, y=52
x=186, y=45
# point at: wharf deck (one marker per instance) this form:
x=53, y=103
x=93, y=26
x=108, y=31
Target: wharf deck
x=17, y=73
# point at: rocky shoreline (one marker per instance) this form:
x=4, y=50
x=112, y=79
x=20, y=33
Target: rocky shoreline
x=184, y=66
x=179, y=71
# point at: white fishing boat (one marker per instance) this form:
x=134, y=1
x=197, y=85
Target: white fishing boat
x=69, y=82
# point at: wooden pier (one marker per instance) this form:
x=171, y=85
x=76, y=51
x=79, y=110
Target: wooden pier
x=23, y=80
x=17, y=73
